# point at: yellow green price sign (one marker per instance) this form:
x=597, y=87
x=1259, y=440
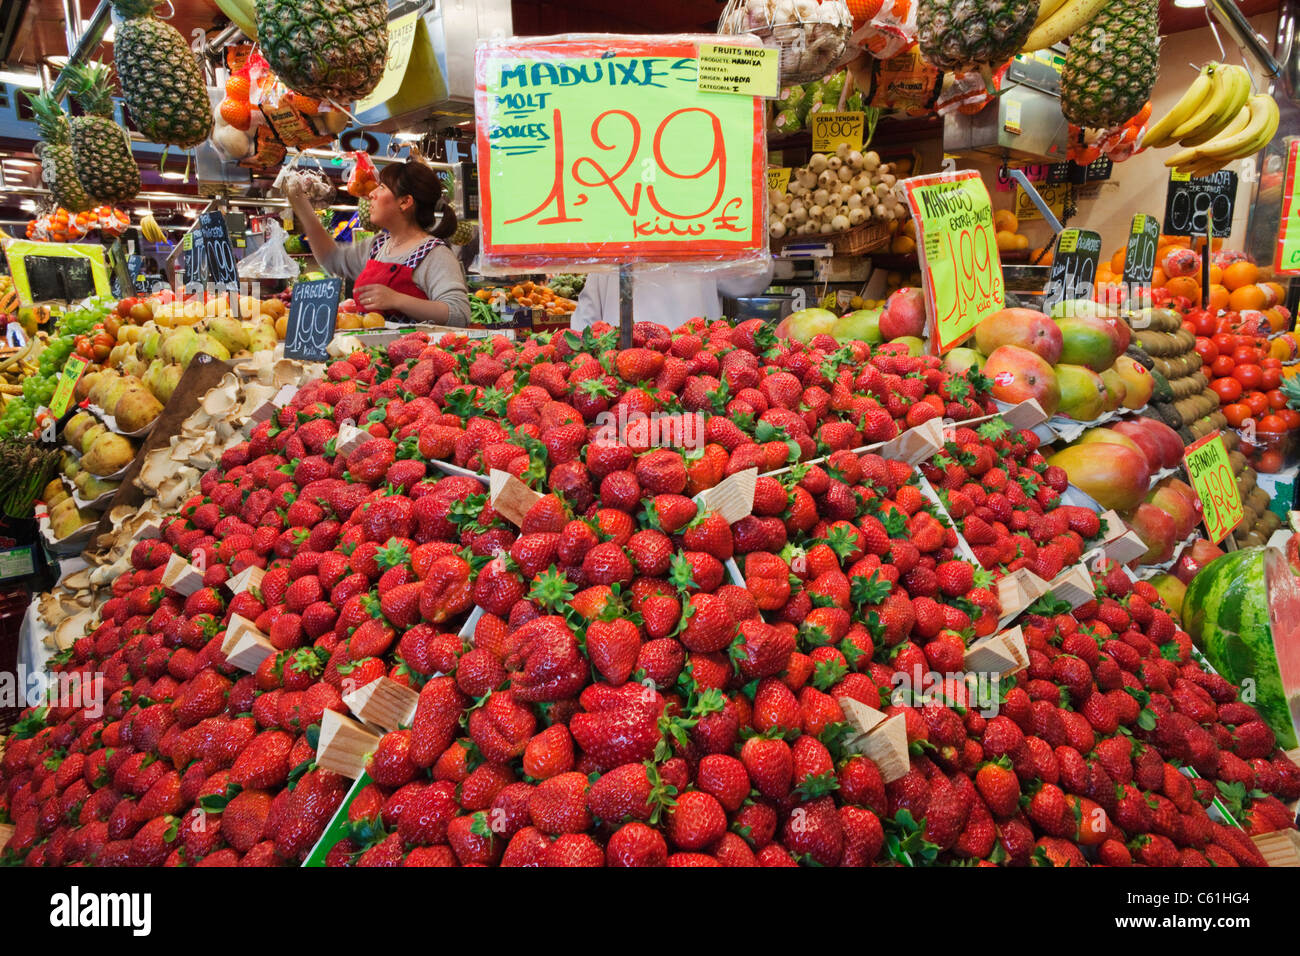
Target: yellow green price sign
x=606, y=149
x=1287, y=261
x=961, y=271
x=72, y=370
x=1217, y=492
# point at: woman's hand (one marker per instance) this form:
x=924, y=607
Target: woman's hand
x=378, y=298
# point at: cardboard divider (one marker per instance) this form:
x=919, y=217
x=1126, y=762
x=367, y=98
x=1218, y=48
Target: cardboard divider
x=344, y=745
x=250, y=577
x=863, y=717
x=384, y=703
x=1003, y=654
x=963, y=546
x=449, y=469
x=181, y=576
x=349, y=439
x=732, y=498
x=245, y=646
x=511, y=497
x=273, y=405
x=6, y=834
x=1280, y=848
x=886, y=747
x=1073, y=585
x=917, y=444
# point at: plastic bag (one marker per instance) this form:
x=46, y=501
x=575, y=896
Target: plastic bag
x=363, y=180
x=271, y=261
x=902, y=83
x=890, y=31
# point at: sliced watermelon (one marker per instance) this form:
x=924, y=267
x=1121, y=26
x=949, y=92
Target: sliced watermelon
x=1243, y=613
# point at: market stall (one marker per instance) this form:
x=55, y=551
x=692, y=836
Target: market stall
x=949, y=523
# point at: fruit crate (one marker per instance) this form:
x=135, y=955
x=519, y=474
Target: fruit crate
x=860, y=240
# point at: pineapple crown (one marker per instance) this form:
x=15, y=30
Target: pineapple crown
x=92, y=88
x=50, y=118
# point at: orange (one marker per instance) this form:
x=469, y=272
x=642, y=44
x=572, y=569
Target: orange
x=1246, y=296
x=236, y=113
x=1158, y=278
x=1216, y=274
x=1005, y=220
x=1218, y=298
x=1277, y=290
x=1187, y=287
x=1240, y=274
x=237, y=88
x=1117, y=261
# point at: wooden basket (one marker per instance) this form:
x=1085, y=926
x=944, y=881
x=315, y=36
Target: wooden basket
x=858, y=241
x=810, y=49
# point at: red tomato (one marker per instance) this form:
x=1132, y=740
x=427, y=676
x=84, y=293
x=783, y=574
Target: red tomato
x=1291, y=417
x=1223, y=365
x=1236, y=413
x=1203, y=323
x=1207, y=372
x=1190, y=327
x=1276, y=398
x=1272, y=425
x=1250, y=376
x=1206, y=349
x=1270, y=363
x=1225, y=343
x=1228, y=389
x=1258, y=403
x=1269, y=462
x=1245, y=355
x=1272, y=377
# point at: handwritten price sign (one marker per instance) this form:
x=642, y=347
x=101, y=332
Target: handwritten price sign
x=313, y=312
x=1288, y=234
x=1211, y=475
x=608, y=150
x=961, y=270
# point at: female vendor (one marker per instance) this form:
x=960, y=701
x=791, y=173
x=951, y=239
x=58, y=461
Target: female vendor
x=406, y=269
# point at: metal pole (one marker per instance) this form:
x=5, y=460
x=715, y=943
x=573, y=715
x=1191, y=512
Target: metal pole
x=1234, y=21
x=86, y=44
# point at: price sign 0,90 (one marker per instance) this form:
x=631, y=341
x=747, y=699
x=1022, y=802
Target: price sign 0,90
x=831, y=129
x=1211, y=475
x=608, y=150
x=961, y=270
x=313, y=312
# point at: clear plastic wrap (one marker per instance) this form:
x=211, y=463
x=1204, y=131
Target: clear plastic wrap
x=362, y=179
x=889, y=31
x=271, y=261
x=597, y=150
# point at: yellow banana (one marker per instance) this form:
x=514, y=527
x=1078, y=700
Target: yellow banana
x=1160, y=133
x=1046, y=8
x=1189, y=155
x=1237, y=90
x=150, y=229
x=1071, y=16
x=1264, y=118
x=1204, y=116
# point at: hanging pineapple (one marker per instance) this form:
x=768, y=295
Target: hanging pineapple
x=162, y=82
x=101, y=149
x=965, y=35
x=58, y=170
x=331, y=49
x=1112, y=64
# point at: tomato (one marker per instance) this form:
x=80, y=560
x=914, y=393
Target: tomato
x=1244, y=355
x=1272, y=377
x=1236, y=413
x=1270, y=363
x=1228, y=389
x=1258, y=403
x=1206, y=349
x=1291, y=417
x=1250, y=376
x=1276, y=398
x=1225, y=343
x=1204, y=323
x=1269, y=462
x=124, y=305
x=1207, y=372
x=1221, y=366
x=1272, y=425
x=1188, y=326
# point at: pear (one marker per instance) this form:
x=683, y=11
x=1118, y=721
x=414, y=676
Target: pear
x=165, y=382
x=110, y=452
x=229, y=332
x=89, y=437
x=213, y=346
x=136, y=408
x=91, y=487
x=176, y=344
x=111, y=395
x=100, y=387
x=77, y=425
x=85, y=384
x=262, y=337
x=54, y=493
x=150, y=341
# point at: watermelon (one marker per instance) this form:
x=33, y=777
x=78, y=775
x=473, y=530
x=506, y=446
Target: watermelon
x=1243, y=613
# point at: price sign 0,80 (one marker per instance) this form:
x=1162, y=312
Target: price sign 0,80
x=313, y=311
x=1216, y=487
x=608, y=150
x=961, y=269
x=1193, y=204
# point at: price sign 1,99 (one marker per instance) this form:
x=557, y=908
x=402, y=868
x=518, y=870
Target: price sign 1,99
x=1193, y=204
x=1216, y=488
x=313, y=312
x=607, y=150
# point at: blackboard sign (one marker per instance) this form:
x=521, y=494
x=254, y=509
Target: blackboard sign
x=1140, y=254
x=213, y=255
x=1074, y=267
x=1191, y=203
x=59, y=277
x=313, y=310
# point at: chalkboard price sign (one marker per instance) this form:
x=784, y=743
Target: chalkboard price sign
x=1074, y=267
x=1140, y=253
x=1192, y=204
x=312, y=313
x=213, y=254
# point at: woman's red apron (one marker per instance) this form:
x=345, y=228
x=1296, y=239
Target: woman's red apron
x=398, y=276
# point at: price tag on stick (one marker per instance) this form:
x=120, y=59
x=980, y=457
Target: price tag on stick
x=313, y=310
x=1216, y=488
x=1140, y=253
x=961, y=271
x=1074, y=267
x=68, y=379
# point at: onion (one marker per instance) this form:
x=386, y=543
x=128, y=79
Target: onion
x=821, y=197
x=834, y=163
x=857, y=216
x=842, y=151
x=827, y=178
x=878, y=212
x=870, y=160
x=855, y=160
x=881, y=191
x=781, y=208
x=817, y=163
x=777, y=229
x=807, y=178
x=845, y=173
x=846, y=192
x=889, y=180
x=800, y=214
x=854, y=201
x=815, y=213
x=826, y=229
x=840, y=223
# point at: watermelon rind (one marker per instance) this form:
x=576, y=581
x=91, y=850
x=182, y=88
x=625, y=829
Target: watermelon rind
x=1226, y=610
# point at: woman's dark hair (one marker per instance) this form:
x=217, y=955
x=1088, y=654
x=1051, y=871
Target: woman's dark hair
x=425, y=188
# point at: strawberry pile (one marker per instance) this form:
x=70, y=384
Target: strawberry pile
x=623, y=679
x=1006, y=501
